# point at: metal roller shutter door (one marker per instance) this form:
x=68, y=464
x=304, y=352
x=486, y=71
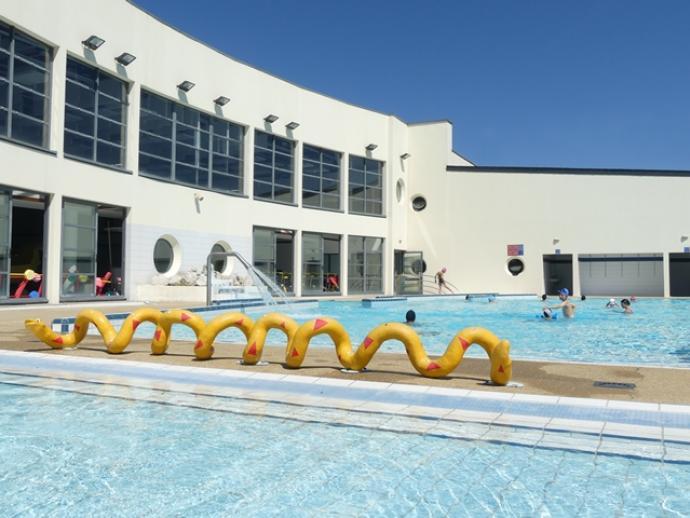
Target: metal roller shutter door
x=622, y=274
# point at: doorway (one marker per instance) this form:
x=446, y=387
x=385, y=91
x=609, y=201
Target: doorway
x=558, y=273
x=409, y=272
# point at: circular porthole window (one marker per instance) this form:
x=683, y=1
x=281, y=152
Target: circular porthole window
x=164, y=255
x=419, y=266
x=220, y=265
x=419, y=203
x=515, y=267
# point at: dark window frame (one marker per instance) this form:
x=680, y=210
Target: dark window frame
x=9, y=110
x=274, y=169
x=364, y=187
x=205, y=141
x=321, y=193
x=365, y=277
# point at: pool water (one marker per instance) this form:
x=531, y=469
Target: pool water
x=657, y=333
x=67, y=454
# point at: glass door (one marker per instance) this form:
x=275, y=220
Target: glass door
x=409, y=272
x=5, y=234
x=79, y=229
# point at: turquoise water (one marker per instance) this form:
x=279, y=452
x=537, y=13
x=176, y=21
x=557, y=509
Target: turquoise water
x=658, y=333
x=66, y=454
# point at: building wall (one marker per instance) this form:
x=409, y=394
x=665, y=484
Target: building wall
x=165, y=57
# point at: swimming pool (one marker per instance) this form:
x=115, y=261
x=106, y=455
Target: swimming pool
x=658, y=333
x=73, y=454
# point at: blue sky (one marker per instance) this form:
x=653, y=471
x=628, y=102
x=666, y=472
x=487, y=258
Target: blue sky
x=588, y=83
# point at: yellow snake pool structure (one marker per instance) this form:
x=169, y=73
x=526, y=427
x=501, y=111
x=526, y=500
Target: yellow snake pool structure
x=298, y=338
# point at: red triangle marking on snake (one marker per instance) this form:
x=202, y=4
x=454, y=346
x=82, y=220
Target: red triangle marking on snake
x=135, y=324
x=184, y=316
x=199, y=344
x=465, y=344
x=433, y=366
x=294, y=353
x=157, y=334
x=319, y=323
x=252, y=349
x=58, y=340
x=239, y=322
x=282, y=324
x=367, y=342
x=500, y=369
x=76, y=327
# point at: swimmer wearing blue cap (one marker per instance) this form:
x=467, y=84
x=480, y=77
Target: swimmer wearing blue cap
x=566, y=306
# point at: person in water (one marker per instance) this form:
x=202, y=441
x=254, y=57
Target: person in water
x=611, y=304
x=543, y=297
x=566, y=306
x=410, y=317
x=627, y=306
x=547, y=314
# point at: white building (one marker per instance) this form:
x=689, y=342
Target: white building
x=119, y=169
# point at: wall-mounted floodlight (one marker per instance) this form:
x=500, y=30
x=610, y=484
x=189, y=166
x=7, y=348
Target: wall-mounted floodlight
x=371, y=147
x=683, y=239
x=222, y=100
x=271, y=118
x=405, y=156
x=556, y=241
x=292, y=125
x=93, y=42
x=125, y=58
x=186, y=86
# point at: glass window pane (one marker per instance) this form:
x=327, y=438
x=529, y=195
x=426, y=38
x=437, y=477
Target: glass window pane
x=78, y=145
x=28, y=103
x=331, y=157
x=283, y=145
x=356, y=178
x=185, y=134
x=283, y=161
x=78, y=120
x=30, y=50
x=27, y=130
x=29, y=76
x=107, y=154
x=311, y=183
x=203, y=140
x=155, y=124
x=331, y=172
x=357, y=205
x=154, y=166
x=357, y=163
x=235, y=132
x=228, y=183
x=156, y=104
x=263, y=190
x=111, y=86
x=373, y=180
x=331, y=202
x=4, y=65
x=79, y=214
x=263, y=157
x=263, y=174
x=311, y=153
x=4, y=37
x=311, y=168
x=264, y=140
x=109, y=108
x=187, y=116
x=235, y=166
x=312, y=199
x=80, y=97
x=185, y=154
x=220, y=164
x=329, y=186
x=162, y=255
x=155, y=146
x=283, y=178
x=110, y=131
x=81, y=73
x=283, y=194
x=373, y=207
x=3, y=122
x=185, y=174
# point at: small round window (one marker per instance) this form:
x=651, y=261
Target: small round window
x=516, y=267
x=221, y=263
x=419, y=266
x=419, y=203
x=163, y=255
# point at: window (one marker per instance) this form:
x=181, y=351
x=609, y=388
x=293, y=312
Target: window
x=186, y=146
x=273, y=167
x=320, y=178
x=365, y=266
x=24, y=80
x=366, y=186
x=273, y=255
x=163, y=255
x=221, y=263
x=320, y=263
x=419, y=203
x=95, y=110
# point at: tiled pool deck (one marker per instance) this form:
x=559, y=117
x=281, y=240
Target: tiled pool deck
x=608, y=427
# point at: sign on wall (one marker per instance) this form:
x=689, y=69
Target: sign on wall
x=515, y=250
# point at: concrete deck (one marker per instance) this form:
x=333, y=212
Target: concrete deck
x=656, y=385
